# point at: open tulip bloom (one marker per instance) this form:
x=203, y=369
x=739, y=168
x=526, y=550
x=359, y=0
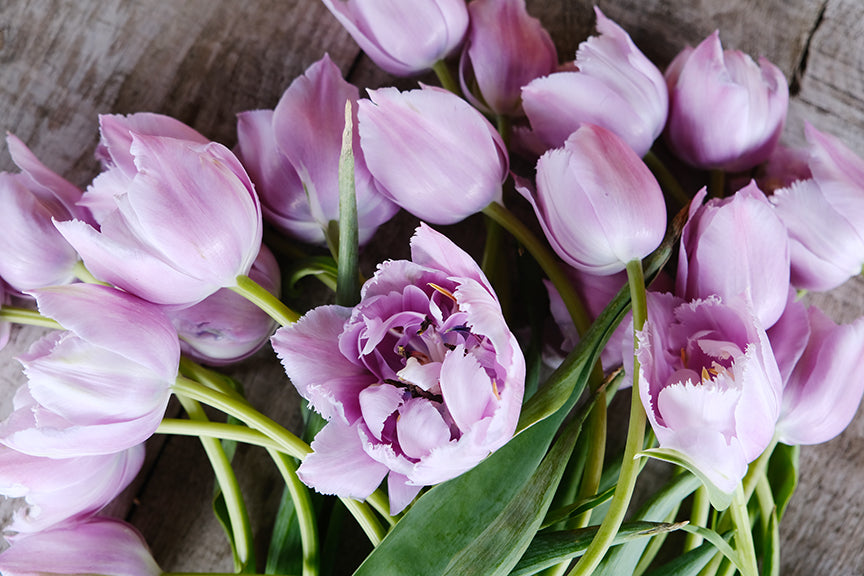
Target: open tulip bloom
x=458, y=411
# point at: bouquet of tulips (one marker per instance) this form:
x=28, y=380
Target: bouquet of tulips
x=456, y=410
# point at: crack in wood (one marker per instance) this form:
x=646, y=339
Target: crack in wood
x=801, y=67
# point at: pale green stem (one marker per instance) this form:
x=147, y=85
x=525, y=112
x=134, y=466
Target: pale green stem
x=84, y=275
x=699, y=511
x=593, y=472
x=220, y=430
x=266, y=301
x=757, y=468
x=378, y=500
x=227, y=481
x=445, y=77
x=367, y=520
x=303, y=509
x=630, y=465
x=713, y=566
x=28, y=317
x=654, y=546
x=765, y=498
x=665, y=178
x=743, y=534
x=208, y=377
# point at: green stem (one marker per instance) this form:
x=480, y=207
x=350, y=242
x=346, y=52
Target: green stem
x=378, y=500
x=227, y=482
x=757, y=468
x=665, y=178
x=445, y=77
x=494, y=266
x=269, y=303
x=654, y=545
x=593, y=472
x=303, y=509
x=631, y=464
x=208, y=377
x=220, y=430
x=716, y=184
x=743, y=534
x=28, y=317
x=84, y=275
x=505, y=128
x=765, y=498
x=367, y=520
x=347, y=284
x=547, y=261
x=699, y=511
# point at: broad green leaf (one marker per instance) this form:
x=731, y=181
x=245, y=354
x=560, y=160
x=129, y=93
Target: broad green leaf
x=690, y=563
x=719, y=499
x=624, y=559
x=771, y=550
x=577, y=508
x=347, y=284
x=551, y=548
x=782, y=474
x=285, y=554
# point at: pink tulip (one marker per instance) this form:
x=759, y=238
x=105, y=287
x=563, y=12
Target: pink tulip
x=599, y=205
x=613, y=85
x=185, y=224
x=422, y=379
x=452, y=162
x=97, y=546
x=709, y=384
x=505, y=50
x=725, y=112
x=225, y=327
x=65, y=489
x=403, y=38
x=824, y=390
x=32, y=253
x=736, y=248
x=101, y=386
x=292, y=154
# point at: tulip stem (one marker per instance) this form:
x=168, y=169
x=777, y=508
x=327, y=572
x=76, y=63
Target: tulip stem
x=266, y=301
x=302, y=508
x=28, y=317
x=547, y=261
x=630, y=464
x=716, y=183
x=665, y=178
x=445, y=77
x=699, y=511
x=743, y=534
x=84, y=275
x=220, y=430
x=757, y=468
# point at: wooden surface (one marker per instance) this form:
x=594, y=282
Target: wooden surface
x=203, y=61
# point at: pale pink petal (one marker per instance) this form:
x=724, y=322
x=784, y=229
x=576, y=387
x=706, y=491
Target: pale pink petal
x=420, y=428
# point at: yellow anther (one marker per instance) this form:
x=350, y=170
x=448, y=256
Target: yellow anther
x=495, y=389
x=443, y=291
x=705, y=376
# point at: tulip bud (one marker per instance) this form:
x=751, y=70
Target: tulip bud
x=506, y=49
x=614, y=86
x=403, y=38
x=450, y=161
x=725, y=112
x=599, y=205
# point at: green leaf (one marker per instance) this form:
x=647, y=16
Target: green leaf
x=220, y=510
x=690, y=563
x=551, y=548
x=719, y=499
x=716, y=540
x=285, y=554
x=577, y=508
x=771, y=551
x=347, y=279
x=324, y=267
x=782, y=475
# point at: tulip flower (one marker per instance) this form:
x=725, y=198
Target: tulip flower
x=505, y=50
x=187, y=223
x=790, y=334
x=613, y=85
x=32, y=253
x=824, y=390
x=709, y=384
x=451, y=160
x=599, y=205
x=725, y=112
x=736, y=248
x=225, y=327
x=292, y=154
x=65, y=489
x=420, y=381
x=102, y=385
x=97, y=546
x=403, y=38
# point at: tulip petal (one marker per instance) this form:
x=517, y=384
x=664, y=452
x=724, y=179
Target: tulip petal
x=420, y=428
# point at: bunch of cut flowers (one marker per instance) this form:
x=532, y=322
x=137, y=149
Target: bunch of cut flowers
x=456, y=410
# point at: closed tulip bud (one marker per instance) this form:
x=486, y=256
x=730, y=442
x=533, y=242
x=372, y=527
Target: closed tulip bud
x=505, y=50
x=736, y=248
x=450, y=161
x=292, y=155
x=725, y=111
x=613, y=85
x=599, y=205
x=403, y=38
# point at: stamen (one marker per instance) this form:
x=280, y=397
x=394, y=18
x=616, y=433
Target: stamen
x=443, y=291
x=495, y=389
x=705, y=376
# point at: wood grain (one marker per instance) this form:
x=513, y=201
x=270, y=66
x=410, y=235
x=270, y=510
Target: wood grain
x=63, y=62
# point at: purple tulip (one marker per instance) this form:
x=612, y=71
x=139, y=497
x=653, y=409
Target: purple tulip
x=725, y=112
x=97, y=546
x=225, y=327
x=403, y=38
x=64, y=489
x=452, y=162
x=614, y=86
x=505, y=50
x=421, y=380
x=32, y=253
x=824, y=215
x=824, y=390
x=185, y=224
x=736, y=248
x=101, y=386
x=709, y=384
x=292, y=154
x=599, y=205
